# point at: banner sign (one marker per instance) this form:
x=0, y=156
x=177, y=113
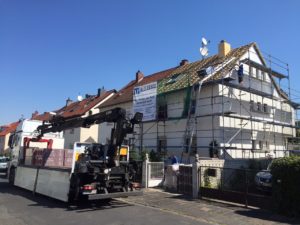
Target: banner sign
x=144, y=100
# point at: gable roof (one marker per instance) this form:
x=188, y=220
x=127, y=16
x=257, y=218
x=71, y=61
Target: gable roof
x=189, y=74
x=9, y=128
x=125, y=94
x=186, y=75
x=46, y=116
x=79, y=108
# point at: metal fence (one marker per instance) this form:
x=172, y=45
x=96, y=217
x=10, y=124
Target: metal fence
x=156, y=170
x=234, y=185
x=185, y=180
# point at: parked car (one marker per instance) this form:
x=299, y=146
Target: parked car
x=3, y=164
x=263, y=179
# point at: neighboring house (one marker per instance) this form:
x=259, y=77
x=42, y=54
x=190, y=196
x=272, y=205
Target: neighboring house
x=5, y=132
x=83, y=108
x=241, y=108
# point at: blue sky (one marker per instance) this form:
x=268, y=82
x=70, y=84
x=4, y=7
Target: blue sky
x=54, y=49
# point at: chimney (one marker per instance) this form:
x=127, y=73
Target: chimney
x=34, y=114
x=101, y=91
x=68, y=102
x=184, y=62
x=224, y=48
x=139, y=76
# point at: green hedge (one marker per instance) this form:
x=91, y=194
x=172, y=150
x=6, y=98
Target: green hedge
x=286, y=185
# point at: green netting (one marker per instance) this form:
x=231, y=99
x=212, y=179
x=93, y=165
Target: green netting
x=187, y=101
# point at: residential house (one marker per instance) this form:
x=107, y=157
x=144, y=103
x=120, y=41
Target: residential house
x=240, y=110
x=5, y=132
x=87, y=106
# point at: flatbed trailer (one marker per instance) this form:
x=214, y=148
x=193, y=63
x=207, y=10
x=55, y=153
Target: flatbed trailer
x=55, y=183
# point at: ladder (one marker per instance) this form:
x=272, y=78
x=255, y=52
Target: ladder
x=191, y=123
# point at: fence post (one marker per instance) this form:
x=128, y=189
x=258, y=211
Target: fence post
x=145, y=175
x=195, y=177
x=246, y=190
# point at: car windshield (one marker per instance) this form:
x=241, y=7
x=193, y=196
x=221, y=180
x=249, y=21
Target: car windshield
x=3, y=159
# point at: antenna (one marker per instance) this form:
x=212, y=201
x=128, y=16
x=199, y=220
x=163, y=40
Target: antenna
x=204, y=49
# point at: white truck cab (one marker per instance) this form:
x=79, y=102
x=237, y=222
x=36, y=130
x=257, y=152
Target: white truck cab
x=27, y=129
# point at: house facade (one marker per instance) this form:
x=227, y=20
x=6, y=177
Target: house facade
x=239, y=111
x=87, y=106
x=5, y=132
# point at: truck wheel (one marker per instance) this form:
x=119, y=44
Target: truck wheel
x=11, y=177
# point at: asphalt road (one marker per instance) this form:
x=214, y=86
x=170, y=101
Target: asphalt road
x=20, y=207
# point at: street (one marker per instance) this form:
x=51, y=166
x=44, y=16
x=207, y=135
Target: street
x=20, y=207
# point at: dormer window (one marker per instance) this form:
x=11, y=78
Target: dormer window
x=258, y=74
x=174, y=78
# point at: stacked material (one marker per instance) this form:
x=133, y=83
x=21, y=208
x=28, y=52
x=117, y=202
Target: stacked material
x=53, y=158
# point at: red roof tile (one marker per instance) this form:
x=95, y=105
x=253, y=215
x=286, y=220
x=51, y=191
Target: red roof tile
x=46, y=116
x=9, y=128
x=79, y=108
x=125, y=94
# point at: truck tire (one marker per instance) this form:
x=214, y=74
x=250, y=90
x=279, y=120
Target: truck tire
x=74, y=192
x=11, y=177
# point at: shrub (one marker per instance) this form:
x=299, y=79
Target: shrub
x=154, y=156
x=286, y=185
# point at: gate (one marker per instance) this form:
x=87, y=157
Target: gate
x=185, y=180
x=155, y=173
x=233, y=185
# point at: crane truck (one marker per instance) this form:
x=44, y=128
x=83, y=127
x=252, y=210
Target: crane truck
x=90, y=170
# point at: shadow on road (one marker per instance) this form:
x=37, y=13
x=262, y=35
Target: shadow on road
x=267, y=216
x=261, y=214
x=38, y=200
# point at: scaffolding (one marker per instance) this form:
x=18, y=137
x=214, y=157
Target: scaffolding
x=245, y=120
x=226, y=102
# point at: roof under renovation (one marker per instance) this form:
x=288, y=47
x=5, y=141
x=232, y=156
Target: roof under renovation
x=186, y=74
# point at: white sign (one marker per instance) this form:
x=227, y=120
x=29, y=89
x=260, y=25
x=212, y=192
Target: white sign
x=144, y=100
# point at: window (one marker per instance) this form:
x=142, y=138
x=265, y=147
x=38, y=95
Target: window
x=264, y=145
x=211, y=172
x=266, y=108
x=263, y=75
x=162, y=113
x=258, y=74
x=174, y=78
x=251, y=71
x=253, y=144
x=162, y=144
x=252, y=105
x=259, y=107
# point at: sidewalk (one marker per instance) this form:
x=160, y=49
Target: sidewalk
x=206, y=211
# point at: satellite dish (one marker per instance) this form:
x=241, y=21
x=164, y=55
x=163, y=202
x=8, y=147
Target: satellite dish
x=79, y=98
x=204, y=51
x=204, y=42
x=209, y=70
